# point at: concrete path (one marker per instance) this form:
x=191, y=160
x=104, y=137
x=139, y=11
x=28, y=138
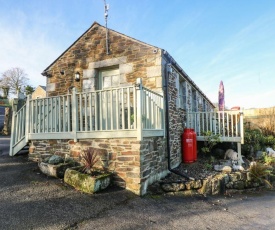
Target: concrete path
x=30, y=200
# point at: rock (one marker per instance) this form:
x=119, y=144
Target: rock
x=55, y=159
x=222, y=168
x=206, y=188
x=187, y=193
x=197, y=184
x=173, y=187
x=259, y=154
x=247, y=184
x=238, y=167
x=229, y=185
x=216, y=186
x=239, y=185
x=234, y=177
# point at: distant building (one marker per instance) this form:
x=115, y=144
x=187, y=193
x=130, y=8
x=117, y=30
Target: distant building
x=39, y=92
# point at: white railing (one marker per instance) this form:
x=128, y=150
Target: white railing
x=131, y=111
x=228, y=124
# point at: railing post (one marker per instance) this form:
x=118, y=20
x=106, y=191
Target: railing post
x=139, y=108
x=241, y=127
x=74, y=114
x=14, y=111
x=27, y=123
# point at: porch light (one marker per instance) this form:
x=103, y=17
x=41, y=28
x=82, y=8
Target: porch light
x=77, y=76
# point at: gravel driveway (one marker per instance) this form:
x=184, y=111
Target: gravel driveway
x=30, y=200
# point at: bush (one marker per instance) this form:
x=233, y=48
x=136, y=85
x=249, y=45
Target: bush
x=259, y=172
x=210, y=140
x=255, y=140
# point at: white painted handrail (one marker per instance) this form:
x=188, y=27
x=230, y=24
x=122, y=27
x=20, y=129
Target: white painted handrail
x=228, y=124
x=126, y=111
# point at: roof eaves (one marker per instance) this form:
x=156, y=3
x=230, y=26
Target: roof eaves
x=177, y=66
x=44, y=73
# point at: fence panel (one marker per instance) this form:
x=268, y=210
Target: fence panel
x=225, y=123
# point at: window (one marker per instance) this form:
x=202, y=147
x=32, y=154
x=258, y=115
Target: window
x=109, y=78
x=182, y=94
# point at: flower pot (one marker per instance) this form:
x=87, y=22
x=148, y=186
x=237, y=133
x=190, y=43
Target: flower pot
x=86, y=182
x=52, y=170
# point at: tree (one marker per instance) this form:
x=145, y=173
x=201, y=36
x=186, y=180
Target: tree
x=29, y=90
x=15, y=78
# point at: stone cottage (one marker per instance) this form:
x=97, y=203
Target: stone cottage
x=123, y=100
x=39, y=92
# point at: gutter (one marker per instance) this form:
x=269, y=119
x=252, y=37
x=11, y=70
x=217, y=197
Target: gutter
x=176, y=65
x=167, y=70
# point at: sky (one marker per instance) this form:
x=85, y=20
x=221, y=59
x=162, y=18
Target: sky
x=212, y=40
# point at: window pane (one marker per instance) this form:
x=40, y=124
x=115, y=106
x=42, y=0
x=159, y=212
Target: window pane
x=115, y=80
x=106, y=82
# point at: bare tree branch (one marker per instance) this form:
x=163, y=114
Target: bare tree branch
x=15, y=78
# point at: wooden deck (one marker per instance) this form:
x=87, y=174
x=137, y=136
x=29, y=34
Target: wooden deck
x=132, y=111
x=227, y=124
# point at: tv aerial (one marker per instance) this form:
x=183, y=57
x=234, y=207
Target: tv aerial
x=106, y=9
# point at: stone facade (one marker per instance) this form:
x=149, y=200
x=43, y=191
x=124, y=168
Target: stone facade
x=39, y=92
x=136, y=164
x=88, y=56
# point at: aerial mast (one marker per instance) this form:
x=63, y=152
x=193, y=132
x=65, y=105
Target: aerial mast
x=106, y=8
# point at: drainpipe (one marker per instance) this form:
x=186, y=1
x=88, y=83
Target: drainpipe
x=168, y=69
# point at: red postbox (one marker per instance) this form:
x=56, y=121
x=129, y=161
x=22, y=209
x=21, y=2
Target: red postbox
x=194, y=144
x=187, y=146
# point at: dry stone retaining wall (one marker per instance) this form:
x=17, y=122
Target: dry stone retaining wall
x=217, y=184
x=136, y=164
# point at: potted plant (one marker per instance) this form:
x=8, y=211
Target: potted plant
x=87, y=177
x=55, y=165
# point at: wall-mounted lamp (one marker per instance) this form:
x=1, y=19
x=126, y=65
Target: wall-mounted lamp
x=77, y=76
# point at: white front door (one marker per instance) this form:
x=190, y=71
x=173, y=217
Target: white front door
x=108, y=79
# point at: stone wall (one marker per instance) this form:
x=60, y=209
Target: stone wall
x=133, y=58
x=219, y=184
x=136, y=164
x=176, y=122
x=39, y=92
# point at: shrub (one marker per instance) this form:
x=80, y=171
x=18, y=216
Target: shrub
x=259, y=172
x=255, y=140
x=268, y=160
x=210, y=140
x=89, y=159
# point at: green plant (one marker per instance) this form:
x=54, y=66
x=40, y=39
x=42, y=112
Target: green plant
x=89, y=158
x=208, y=166
x=268, y=160
x=255, y=140
x=210, y=140
x=259, y=171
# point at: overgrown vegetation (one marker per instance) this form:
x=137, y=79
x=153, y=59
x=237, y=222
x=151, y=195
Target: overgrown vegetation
x=210, y=140
x=267, y=160
x=260, y=172
x=255, y=140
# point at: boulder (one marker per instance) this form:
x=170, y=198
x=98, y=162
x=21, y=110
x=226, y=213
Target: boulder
x=55, y=159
